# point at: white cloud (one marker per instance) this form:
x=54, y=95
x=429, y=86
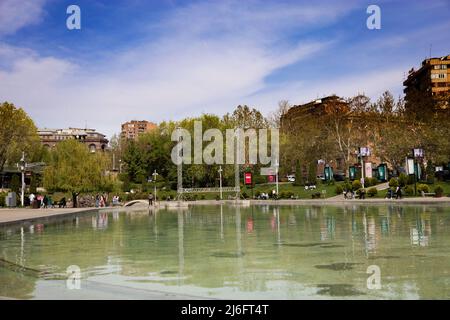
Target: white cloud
x=17, y=14
x=207, y=59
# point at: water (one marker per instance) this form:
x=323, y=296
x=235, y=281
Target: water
x=258, y=252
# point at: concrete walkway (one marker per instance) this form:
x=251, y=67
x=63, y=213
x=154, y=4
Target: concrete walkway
x=8, y=216
x=379, y=187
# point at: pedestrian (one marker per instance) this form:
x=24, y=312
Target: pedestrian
x=398, y=192
x=150, y=199
x=45, y=201
x=97, y=201
x=31, y=197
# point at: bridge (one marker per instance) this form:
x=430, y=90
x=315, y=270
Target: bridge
x=130, y=203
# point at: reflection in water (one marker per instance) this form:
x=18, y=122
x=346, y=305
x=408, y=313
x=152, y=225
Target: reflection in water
x=232, y=252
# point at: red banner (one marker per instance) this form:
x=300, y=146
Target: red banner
x=247, y=178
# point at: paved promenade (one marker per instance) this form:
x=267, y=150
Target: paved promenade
x=8, y=216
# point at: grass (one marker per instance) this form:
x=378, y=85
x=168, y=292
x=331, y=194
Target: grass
x=444, y=184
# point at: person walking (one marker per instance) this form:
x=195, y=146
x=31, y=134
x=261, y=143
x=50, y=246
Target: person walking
x=150, y=199
x=398, y=192
x=97, y=201
x=45, y=202
x=31, y=197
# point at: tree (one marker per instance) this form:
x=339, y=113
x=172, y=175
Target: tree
x=298, y=174
x=15, y=183
x=275, y=117
x=17, y=133
x=72, y=168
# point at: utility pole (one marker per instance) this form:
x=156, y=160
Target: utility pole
x=22, y=166
x=155, y=174
x=276, y=174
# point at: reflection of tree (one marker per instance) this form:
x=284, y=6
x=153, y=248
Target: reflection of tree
x=208, y=250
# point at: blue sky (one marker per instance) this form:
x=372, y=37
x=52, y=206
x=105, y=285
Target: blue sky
x=165, y=60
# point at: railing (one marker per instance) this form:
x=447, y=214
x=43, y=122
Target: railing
x=204, y=190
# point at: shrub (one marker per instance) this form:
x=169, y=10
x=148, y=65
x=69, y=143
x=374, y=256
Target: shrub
x=403, y=179
x=372, y=192
x=356, y=185
x=369, y=182
x=423, y=187
x=347, y=186
x=2, y=199
x=393, y=183
x=339, y=189
x=439, y=191
x=202, y=197
x=15, y=184
x=316, y=195
x=409, y=191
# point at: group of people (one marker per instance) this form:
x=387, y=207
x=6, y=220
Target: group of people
x=115, y=200
x=350, y=194
x=391, y=194
x=44, y=201
x=100, y=200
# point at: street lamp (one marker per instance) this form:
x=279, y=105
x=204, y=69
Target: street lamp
x=417, y=154
x=22, y=166
x=220, y=181
x=155, y=174
x=276, y=174
x=363, y=152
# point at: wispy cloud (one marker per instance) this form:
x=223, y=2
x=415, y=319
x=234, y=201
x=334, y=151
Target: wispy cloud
x=206, y=54
x=16, y=14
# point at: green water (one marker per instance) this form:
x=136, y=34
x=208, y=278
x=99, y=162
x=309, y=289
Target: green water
x=258, y=252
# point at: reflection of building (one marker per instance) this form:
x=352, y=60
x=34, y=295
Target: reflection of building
x=132, y=129
x=93, y=139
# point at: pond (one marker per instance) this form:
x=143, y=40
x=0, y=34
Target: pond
x=231, y=252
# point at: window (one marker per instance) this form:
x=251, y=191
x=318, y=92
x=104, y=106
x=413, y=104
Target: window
x=442, y=75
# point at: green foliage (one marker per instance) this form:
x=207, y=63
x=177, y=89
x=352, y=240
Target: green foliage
x=286, y=195
x=312, y=172
x=439, y=191
x=15, y=183
x=356, y=185
x=423, y=187
x=402, y=179
x=339, y=190
x=33, y=184
x=316, y=195
x=409, y=190
x=17, y=133
x=372, y=192
x=393, y=183
x=2, y=199
x=298, y=174
x=72, y=168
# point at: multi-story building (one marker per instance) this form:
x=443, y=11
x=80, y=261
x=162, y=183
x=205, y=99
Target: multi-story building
x=94, y=140
x=132, y=129
x=431, y=79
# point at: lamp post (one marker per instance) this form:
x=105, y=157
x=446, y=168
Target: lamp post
x=417, y=154
x=155, y=174
x=276, y=174
x=22, y=166
x=220, y=181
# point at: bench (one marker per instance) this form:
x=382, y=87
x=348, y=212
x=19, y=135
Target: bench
x=424, y=194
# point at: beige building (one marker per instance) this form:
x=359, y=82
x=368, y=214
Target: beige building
x=132, y=129
x=94, y=140
x=432, y=78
